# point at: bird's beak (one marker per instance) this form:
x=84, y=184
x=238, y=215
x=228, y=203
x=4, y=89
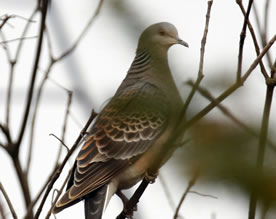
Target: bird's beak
x=183, y=43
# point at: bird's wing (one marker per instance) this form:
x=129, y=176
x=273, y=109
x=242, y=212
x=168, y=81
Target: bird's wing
x=125, y=129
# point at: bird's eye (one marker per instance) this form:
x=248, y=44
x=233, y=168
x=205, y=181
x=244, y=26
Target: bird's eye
x=162, y=33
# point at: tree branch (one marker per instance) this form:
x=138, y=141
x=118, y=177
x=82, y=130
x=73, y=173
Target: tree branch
x=242, y=38
x=262, y=144
x=130, y=205
x=230, y=90
x=202, y=51
x=205, y=93
x=35, y=67
x=254, y=38
x=69, y=101
x=58, y=194
x=8, y=201
x=190, y=185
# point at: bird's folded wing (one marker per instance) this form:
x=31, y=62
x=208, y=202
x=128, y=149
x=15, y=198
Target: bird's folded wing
x=125, y=129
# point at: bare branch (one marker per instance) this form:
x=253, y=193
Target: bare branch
x=6, y=132
x=29, y=210
x=17, y=39
x=254, y=38
x=29, y=21
x=8, y=201
x=202, y=51
x=230, y=90
x=34, y=73
x=242, y=38
x=262, y=144
x=203, y=195
x=130, y=205
x=166, y=190
x=47, y=74
x=205, y=93
x=5, y=46
x=58, y=194
x=4, y=20
x=2, y=213
x=61, y=142
x=261, y=31
x=190, y=185
x=82, y=34
x=69, y=101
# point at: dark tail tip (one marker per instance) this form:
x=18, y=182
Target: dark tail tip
x=94, y=203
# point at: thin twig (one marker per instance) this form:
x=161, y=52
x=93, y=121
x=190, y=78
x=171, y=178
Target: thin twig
x=261, y=31
x=254, y=38
x=205, y=93
x=6, y=46
x=2, y=212
x=230, y=90
x=17, y=39
x=202, y=51
x=68, y=105
x=83, y=33
x=266, y=12
x=40, y=193
x=6, y=132
x=32, y=129
x=203, y=195
x=53, y=61
x=242, y=38
x=8, y=201
x=59, y=170
x=58, y=194
x=166, y=190
x=12, y=64
x=4, y=20
x=190, y=185
x=61, y=144
x=262, y=144
x=34, y=73
x=29, y=21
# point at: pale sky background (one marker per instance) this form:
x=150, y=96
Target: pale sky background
x=97, y=67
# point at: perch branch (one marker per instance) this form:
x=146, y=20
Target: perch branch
x=130, y=205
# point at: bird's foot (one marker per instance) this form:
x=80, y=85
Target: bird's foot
x=125, y=201
x=151, y=176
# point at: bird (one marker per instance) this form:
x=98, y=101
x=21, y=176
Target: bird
x=129, y=133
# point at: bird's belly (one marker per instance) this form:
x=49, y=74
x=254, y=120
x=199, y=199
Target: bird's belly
x=136, y=172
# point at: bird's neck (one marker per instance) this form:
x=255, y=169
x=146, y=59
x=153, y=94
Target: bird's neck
x=149, y=60
x=149, y=67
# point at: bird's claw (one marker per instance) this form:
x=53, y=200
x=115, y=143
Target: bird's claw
x=151, y=177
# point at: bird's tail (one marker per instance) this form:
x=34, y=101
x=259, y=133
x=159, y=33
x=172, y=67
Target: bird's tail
x=95, y=203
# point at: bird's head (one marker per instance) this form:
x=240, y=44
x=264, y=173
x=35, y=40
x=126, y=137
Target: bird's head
x=160, y=37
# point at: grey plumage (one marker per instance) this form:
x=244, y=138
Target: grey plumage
x=131, y=130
